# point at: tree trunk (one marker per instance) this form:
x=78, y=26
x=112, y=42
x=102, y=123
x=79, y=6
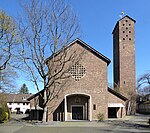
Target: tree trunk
x=128, y=107
x=44, y=114
x=45, y=107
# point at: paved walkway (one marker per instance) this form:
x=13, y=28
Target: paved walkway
x=130, y=124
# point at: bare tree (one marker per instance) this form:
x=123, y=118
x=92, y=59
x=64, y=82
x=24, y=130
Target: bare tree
x=131, y=103
x=46, y=30
x=8, y=39
x=143, y=84
x=7, y=80
x=8, y=52
x=130, y=95
x=3, y=99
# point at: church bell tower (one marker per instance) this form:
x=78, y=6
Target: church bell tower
x=124, y=57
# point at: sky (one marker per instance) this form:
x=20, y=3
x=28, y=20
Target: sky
x=97, y=20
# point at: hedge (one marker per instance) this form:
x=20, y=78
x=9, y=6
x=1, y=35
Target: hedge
x=2, y=115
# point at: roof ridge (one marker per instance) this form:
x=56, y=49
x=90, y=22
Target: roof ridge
x=122, y=19
x=88, y=46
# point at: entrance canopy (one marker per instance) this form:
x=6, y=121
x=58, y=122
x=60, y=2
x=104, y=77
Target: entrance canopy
x=77, y=106
x=115, y=105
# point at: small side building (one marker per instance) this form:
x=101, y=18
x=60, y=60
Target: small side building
x=18, y=103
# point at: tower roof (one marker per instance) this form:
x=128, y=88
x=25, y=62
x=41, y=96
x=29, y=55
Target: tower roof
x=122, y=19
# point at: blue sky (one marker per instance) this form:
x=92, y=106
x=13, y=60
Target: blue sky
x=97, y=20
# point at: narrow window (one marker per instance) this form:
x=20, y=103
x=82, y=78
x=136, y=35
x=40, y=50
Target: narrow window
x=94, y=106
x=126, y=20
x=129, y=31
x=126, y=28
x=129, y=24
x=123, y=24
x=124, y=82
x=123, y=38
x=126, y=35
x=130, y=39
x=123, y=31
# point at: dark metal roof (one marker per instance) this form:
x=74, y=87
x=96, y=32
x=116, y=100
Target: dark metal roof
x=89, y=48
x=117, y=94
x=122, y=19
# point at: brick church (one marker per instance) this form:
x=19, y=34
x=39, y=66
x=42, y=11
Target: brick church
x=87, y=94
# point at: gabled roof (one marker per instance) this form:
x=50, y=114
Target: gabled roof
x=122, y=19
x=127, y=17
x=34, y=95
x=86, y=46
x=117, y=94
x=18, y=98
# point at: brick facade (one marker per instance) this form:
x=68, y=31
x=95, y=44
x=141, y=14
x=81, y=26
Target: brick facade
x=124, y=56
x=85, y=93
x=124, y=61
x=94, y=82
x=91, y=88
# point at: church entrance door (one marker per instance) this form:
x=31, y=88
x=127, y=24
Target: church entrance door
x=77, y=112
